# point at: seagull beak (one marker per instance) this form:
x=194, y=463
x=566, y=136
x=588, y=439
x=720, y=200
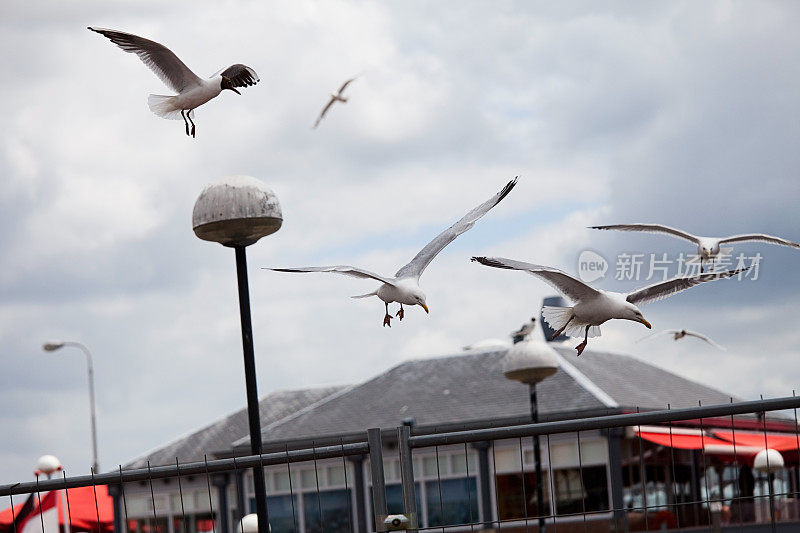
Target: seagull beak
x=425, y=307
x=646, y=323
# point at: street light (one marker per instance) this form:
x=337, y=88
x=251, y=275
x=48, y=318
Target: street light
x=531, y=361
x=237, y=211
x=52, y=346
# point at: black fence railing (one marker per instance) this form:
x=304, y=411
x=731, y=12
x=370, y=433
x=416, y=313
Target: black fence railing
x=673, y=469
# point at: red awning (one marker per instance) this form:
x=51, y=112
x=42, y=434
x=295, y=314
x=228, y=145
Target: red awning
x=81, y=511
x=682, y=441
x=777, y=441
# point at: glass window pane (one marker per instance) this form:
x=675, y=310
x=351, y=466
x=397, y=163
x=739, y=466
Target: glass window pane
x=507, y=460
x=394, y=498
x=573, y=492
x=430, y=468
x=454, y=501
x=593, y=451
x=334, y=512
x=335, y=476
x=308, y=479
x=564, y=454
x=282, y=513
x=516, y=501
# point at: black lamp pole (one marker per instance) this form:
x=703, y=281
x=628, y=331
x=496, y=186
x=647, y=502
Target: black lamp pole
x=537, y=457
x=259, y=483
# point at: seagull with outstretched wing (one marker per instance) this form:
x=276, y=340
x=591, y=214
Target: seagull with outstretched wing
x=403, y=287
x=337, y=97
x=678, y=334
x=593, y=307
x=192, y=90
x=708, y=248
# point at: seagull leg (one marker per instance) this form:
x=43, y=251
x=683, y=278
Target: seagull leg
x=400, y=313
x=185, y=123
x=189, y=115
x=387, y=320
x=582, y=345
x=560, y=331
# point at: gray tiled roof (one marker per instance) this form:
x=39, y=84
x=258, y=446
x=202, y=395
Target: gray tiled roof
x=222, y=433
x=470, y=389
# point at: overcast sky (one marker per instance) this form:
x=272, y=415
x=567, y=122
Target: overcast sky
x=682, y=113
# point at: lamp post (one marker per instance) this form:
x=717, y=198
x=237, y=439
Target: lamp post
x=769, y=461
x=532, y=361
x=52, y=346
x=237, y=211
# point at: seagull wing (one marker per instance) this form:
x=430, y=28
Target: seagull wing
x=417, y=265
x=324, y=110
x=704, y=338
x=351, y=271
x=652, y=228
x=240, y=75
x=161, y=60
x=345, y=84
x=570, y=287
x=759, y=237
x=658, y=334
x=661, y=290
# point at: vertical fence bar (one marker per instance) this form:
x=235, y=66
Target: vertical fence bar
x=673, y=481
x=496, y=492
x=407, y=478
x=291, y=490
x=796, y=476
x=770, y=474
x=643, y=476
x=614, y=436
x=210, y=504
x=739, y=499
x=378, y=479
x=705, y=469
x=184, y=524
x=347, y=489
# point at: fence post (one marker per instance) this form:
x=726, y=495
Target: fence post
x=378, y=480
x=407, y=478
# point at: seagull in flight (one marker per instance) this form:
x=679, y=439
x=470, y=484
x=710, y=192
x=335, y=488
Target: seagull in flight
x=192, y=90
x=678, y=334
x=593, y=307
x=404, y=288
x=334, y=98
x=708, y=248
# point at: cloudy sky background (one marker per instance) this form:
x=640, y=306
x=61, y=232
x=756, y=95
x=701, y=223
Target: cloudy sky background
x=681, y=113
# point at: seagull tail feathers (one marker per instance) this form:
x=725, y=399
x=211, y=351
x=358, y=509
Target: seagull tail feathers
x=558, y=317
x=373, y=293
x=165, y=107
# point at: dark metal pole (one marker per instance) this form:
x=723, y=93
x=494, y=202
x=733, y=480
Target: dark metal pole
x=259, y=483
x=537, y=456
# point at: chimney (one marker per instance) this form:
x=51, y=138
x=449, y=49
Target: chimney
x=551, y=301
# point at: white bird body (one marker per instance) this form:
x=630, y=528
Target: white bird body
x=708, y=248
x=403, y=291
x=192, y=90
x=403, y=287
x=593, y=307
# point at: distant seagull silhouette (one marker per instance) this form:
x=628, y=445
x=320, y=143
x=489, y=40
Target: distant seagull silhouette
x=708, y=248
x=678, y=334
x=192, y=90
x=334, y=98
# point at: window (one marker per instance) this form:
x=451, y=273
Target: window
x=327, y=510
x=451, y=501
x=577, y=489
x=517, y=501
x=282, y=513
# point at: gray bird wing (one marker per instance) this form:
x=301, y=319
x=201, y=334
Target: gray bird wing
x=658, y=334
x=652, y=228
x=704, y=338
x=760, y=237
x=417, y=265
x=240, y=75
x=570, y=287
x=351, y=271
x=345, y=84
x=663, y=289
x=324, y=110
x=161, y=60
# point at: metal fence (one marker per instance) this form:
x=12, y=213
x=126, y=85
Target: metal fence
x=595, y=474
